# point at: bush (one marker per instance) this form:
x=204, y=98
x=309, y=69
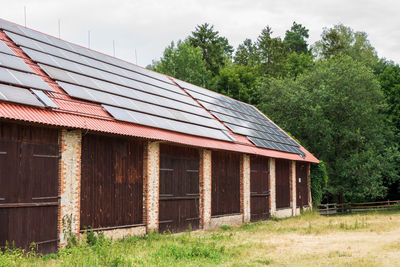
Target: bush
x=319, y=180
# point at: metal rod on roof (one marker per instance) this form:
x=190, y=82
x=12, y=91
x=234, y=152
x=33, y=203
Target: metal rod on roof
x=59, y=29
x=114, y=47
x=136, y=56
x=89, y=39
x=25, y=15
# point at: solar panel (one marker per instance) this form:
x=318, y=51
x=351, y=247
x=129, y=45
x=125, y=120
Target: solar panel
x=88, y=71
x=30, y=44
x=152, y=98
x=23, y=79
x=131, y=104
x=243, y=119
x=120, y=66
x=163, y=123
x=78, y=79
x=5, y=49
x=44, y=98
x=276, y=146
x=14, y=62
x=18, y=95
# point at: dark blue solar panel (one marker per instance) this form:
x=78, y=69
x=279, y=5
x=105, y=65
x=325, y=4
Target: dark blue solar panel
x=44, y=98
x=243, y=119
x=119, y=85
x=5, y=49
x=18, y=95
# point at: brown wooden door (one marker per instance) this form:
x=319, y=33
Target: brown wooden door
x=301, y=184
x=259, y=188
x=282, y=176
x=29, y=159
x=179, y=188
x=111, y=182
x=225, y=184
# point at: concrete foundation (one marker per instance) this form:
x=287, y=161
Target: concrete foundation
x=226, y=220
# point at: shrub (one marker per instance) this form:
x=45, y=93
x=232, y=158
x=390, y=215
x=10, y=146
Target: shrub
x=319, y=180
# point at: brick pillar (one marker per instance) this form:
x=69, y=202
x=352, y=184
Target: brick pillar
x=309, y=185
x=205, y=188
x=151, y=173
x=69, y=185
x=293, y=195
x=272, y=187
x=245, y=187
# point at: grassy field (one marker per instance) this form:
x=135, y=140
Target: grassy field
x=371, y=239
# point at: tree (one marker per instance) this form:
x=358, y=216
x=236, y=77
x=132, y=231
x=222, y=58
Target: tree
x=337, y=111
x=296, y=64
x=237, y=81
x=183, y=62
x=246, y=53
x=389, y=78
x=215, y=49
x=296, y=39
x=388, y=74
x=344, y=40
x=271, y=54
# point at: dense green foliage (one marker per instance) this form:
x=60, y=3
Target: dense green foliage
x=319, y=181
x=336, y=97
x=215, y=49
x=337, y=110
x=184, y=62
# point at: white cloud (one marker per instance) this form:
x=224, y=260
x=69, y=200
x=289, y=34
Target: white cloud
x=149, y=26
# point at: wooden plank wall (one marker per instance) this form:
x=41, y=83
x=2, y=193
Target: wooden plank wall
x=301, y=187
x=259, y=187
x=29, y=163
x=282, y=168
x=179, y=188
x=112, y=182
x=225, y=195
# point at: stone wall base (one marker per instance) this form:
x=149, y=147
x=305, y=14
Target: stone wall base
x=283, y=213
x=124, y=232
x=226, y=220
x=297, y=211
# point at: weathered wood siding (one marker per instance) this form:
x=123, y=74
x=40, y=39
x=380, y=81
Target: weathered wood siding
x=29, y=163
x=259, y=188
x=282, y=168
x=301, y=184
x=225, y=195
x=112, y=182
x=179, y=188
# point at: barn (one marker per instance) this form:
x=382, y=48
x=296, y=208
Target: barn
x=91, y=141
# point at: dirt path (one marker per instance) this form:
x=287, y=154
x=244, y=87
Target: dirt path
x=365, y=240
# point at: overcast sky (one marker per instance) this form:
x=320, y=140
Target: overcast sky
x=149, y=26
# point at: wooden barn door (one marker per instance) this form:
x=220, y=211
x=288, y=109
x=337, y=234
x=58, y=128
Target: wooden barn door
x=259, y=188
x=179, y=188
x=225, y=184
x=112, y=182
x=301, y=184
x=29, y=159
x=282, y=176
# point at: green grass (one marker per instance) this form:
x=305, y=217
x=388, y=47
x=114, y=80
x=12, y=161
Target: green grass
x=264, y=243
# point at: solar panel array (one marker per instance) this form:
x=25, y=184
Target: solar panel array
x=18, y=83
x=127, y=92
x=243, y=119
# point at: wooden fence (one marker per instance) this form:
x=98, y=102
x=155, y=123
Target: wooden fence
x=334, y=208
